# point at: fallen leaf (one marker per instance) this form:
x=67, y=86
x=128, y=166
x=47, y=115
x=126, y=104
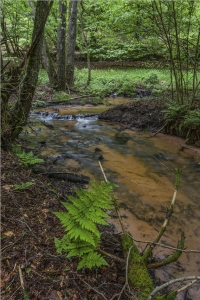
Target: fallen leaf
x=7, y=187
x=25, y=215
x=45, y=210
x=9, y=233
x=59, y=295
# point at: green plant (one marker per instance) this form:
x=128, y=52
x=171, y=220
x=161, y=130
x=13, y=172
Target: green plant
x=174, y=111
x=62, y=96
x=192, y=118
x=26, y=159
x=83, y=214
x=22, y=186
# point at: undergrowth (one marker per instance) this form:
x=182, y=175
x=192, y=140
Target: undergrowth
x=26, y=159
x=123, y=82
x=84, y=213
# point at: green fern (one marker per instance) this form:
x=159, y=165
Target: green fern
x=29, y=158
x=22, y=186
x=84, y=213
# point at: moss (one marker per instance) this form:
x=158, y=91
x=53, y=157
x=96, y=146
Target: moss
x=148, y=252
x=170, y=296
x=138, y=274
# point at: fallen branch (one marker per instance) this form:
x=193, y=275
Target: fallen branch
x=157, y=289
x=70, y=177
x=164, y=246
x=169, y=213
x=26, y=296
x=94, y=289
x=159, y=130
x=120, y=260
x=117, y=211
x=126, y=283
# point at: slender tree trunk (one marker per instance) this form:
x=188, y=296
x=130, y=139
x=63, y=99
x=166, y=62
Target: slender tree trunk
x=48, y=64
x=71, y=42
x=61, y=46
x=13, y=121
x=86, y=44
x=46, y=57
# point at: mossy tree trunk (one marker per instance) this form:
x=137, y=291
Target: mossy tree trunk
x=14, y=118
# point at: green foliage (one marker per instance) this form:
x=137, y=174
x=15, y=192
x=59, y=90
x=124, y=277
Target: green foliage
x=62, y=96
x=26, y=159
x=152, y=79
x=84, y=213
x=123, y=82
x=174, y=111
x=181, y=113
x=192, y=118
x=42, y=77
x=22, y=186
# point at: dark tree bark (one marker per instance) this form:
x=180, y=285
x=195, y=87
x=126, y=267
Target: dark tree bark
x=13, y=121
x=71, y=42
x=61, y=46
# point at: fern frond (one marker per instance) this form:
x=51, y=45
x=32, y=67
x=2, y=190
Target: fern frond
x=84, y=212
x=81, y=233
x=92, y=260
x=78, y=249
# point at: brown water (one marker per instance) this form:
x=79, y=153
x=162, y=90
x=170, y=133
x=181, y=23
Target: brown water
x=142, y=166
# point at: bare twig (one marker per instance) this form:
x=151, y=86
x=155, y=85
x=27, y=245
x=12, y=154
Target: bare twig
x=187, y=286
x=119, y=217
x=126, y=283
x=120, y=260
x=164, y=246
x=159, y=130
x=11, y=245
x=157, y=289
x=94, y=289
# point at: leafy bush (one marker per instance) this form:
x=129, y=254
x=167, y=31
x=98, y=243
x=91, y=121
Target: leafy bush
x=83, y=214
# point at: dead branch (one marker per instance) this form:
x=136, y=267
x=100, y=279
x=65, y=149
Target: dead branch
x=94, y=289
x=120, y=260
x=158, y=288
x=117, y=211
x=126, y=283
x=164, y=246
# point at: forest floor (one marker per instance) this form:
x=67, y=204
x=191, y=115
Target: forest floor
x=28, y=229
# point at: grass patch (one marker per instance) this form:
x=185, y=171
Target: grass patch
x=123, y=82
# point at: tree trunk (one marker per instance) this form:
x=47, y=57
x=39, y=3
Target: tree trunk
x=71, y=43
x=48, y=64
x=61, y=46
x=14, y=120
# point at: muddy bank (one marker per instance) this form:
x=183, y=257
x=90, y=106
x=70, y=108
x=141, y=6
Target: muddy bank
x=144, y=115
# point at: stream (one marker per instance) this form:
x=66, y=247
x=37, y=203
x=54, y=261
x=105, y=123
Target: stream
x=142, y=167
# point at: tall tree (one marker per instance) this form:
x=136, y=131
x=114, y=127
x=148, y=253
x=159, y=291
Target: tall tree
x=14, y=118
x=61, y=45
x=71, y=41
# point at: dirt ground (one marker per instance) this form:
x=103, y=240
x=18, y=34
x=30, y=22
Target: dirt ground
x=143, y=115
x=28, y=228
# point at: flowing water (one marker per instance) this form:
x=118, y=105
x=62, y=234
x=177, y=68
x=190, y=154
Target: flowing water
x=142, y=166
